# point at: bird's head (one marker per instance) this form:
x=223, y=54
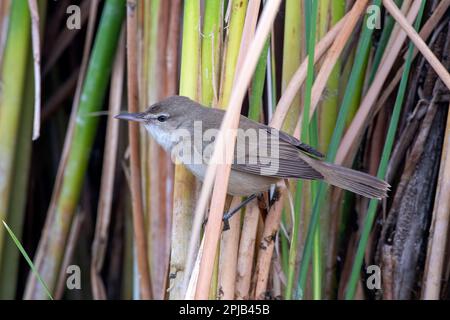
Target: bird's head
x=168, y=114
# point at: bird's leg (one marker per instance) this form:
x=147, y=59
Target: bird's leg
x=231, y=212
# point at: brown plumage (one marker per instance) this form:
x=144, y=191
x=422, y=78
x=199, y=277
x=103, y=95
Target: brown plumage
x=259, y=162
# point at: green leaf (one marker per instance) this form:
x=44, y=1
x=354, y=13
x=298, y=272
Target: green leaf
x=27, y=258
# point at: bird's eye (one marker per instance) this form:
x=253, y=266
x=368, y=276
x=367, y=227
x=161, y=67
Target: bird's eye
x=162, y=118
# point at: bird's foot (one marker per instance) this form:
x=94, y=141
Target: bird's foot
x=226, y=223
x=225, y=219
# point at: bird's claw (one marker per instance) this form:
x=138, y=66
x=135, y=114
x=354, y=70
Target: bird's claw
x=226, y=224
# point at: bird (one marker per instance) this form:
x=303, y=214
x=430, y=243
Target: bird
x=263, y=155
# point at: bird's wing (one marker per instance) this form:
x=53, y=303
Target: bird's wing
x=274, y=154
x=296, y=143
x=266, y=151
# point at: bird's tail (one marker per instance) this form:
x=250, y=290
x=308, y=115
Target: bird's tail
x=355, y=181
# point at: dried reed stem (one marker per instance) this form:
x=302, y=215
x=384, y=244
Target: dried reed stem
x=264, y=256
x=267, y=244
x=332, y=56
x=300, y=75
x=136, y=188
x=225, y=145
x=439, y=226
x=229, y=255
x=247, y=251
x=109, y=167
x=350, y=141
x=230, y=240
x=417, y=40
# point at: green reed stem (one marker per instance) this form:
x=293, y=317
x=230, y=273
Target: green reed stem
x=363, y=47
x=373, y=205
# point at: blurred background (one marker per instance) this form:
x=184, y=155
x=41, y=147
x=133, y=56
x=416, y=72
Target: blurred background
x=103, y=213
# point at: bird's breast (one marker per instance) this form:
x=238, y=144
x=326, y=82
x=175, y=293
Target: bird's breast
x=240, y=183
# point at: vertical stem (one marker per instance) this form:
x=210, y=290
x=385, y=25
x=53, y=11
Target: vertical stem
x=330, y=12
x=311, y=38
x=104, y=209
x=257, y=88
x=328, y=109
x=363, y=47
x=232, y=46
x=184, y=187
x=155, y=161
x=133, y=130
x=292, y=54
x=224, y=146
x=373, y=205
x=59, y=219
x=9, y=268
x=13, y=83
x=439, y=228
x=212, y=31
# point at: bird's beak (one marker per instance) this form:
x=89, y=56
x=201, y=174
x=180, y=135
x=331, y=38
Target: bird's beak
x=137, y=117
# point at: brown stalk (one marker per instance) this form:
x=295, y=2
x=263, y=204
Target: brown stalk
x=396, y=217
x=184, y=192
x=136, y=189
x=230, y=240
x=229, y=255
x=66, y=36
x=246, y=251
x=439, y=227
x=170, y=88
x=248, y=31
x=300, y=75
x=164, y=216
x=350, y=19
x=225, y=146
x=335, y=51
x=72, y=240
x=432, y=21
x=428, y=27
x=61, y=93
x=36, y=40
x=41, y=252
x=406, y=6
x=426, y=31
x=354, y=133
x=276, y=292
x=380, y=77
x=267, y=244
x=53, y=28
x=332, y=56
x=151, y=77
x=417, y=40
x=367, y=111
x=108, y=174
x=245, y=259
x=190, y=291
x=265, y=254
x=154, y=160
x=172, y=48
